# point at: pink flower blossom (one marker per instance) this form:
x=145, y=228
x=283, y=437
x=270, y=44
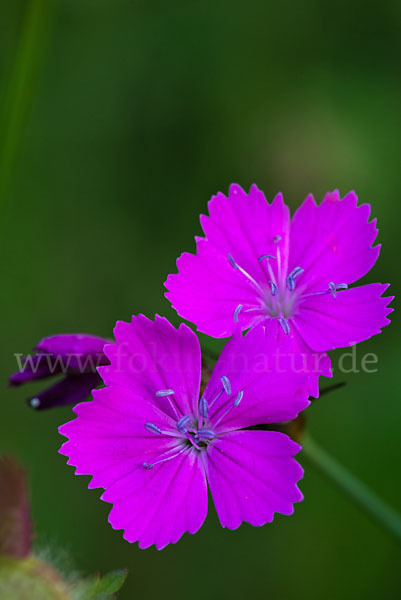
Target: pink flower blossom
x=255, y=266
x=154, y=444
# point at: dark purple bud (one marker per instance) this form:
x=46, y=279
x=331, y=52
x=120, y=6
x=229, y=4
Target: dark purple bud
x=78, y=351
x=74, y=388
x=77, y=356
x=34, y=367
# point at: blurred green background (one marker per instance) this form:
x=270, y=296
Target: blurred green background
x=130, y=115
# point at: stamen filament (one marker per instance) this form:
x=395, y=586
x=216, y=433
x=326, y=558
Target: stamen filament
x=162, y=460
x=245, y=273
x=166, y=394
x=192, y=440
x=225, y=413
x=255, y=309
x=276, y=240
x=332, y=288
x=216, y=397
x=269, y=267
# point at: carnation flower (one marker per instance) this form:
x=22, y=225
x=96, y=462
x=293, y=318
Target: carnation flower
x=153, y=443
x=77, y=356
x=255, y=266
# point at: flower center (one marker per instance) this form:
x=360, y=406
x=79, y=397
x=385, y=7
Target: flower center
x=193, y=433
x=277, y=297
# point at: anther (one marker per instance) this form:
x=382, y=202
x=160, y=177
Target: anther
x=204, y=407
x=162, y=393
x=237, y=312
x=284, y=325
x=332, y=289
x=205, y=434
x=296, y=271
x=273, y=288
x=266, y=256
x=226, y=385
x=291, y=277
x=277, y=239
x=232, y=261
x=34, y=402
x=238, y=398
x=290, y=283
x=148, y=465
x=182, y=424
x=152, y=428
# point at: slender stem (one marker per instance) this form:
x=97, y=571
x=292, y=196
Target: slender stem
x=21, y=88
x=358, y=491
x=331, y=388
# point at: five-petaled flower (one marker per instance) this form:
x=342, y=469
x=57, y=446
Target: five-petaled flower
x=255, y=265
x=77, y=356
x=153, y=444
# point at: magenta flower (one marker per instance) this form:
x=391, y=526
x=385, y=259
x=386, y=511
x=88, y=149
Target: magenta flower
x=77, y=356
x=152, y=443
x=255, y=265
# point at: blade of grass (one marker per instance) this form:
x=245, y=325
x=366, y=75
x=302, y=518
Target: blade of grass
x=358, y=491
x=21, y=88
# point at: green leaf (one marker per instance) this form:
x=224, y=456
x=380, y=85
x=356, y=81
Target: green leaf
x=100, y=588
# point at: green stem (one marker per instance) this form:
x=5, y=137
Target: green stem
x=21, y=88
x=360, y=493
x=331, y=388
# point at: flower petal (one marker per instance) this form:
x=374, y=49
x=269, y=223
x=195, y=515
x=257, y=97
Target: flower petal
x=312, y=363
x=252, y=475
x=108, y=440
x=207, y=288
x=304, y=359
x=269, y=372
x=246, y=225
x=332, y=241
x=157, y=506
x=325, y=322
x=150, y=356
x=109, y=436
